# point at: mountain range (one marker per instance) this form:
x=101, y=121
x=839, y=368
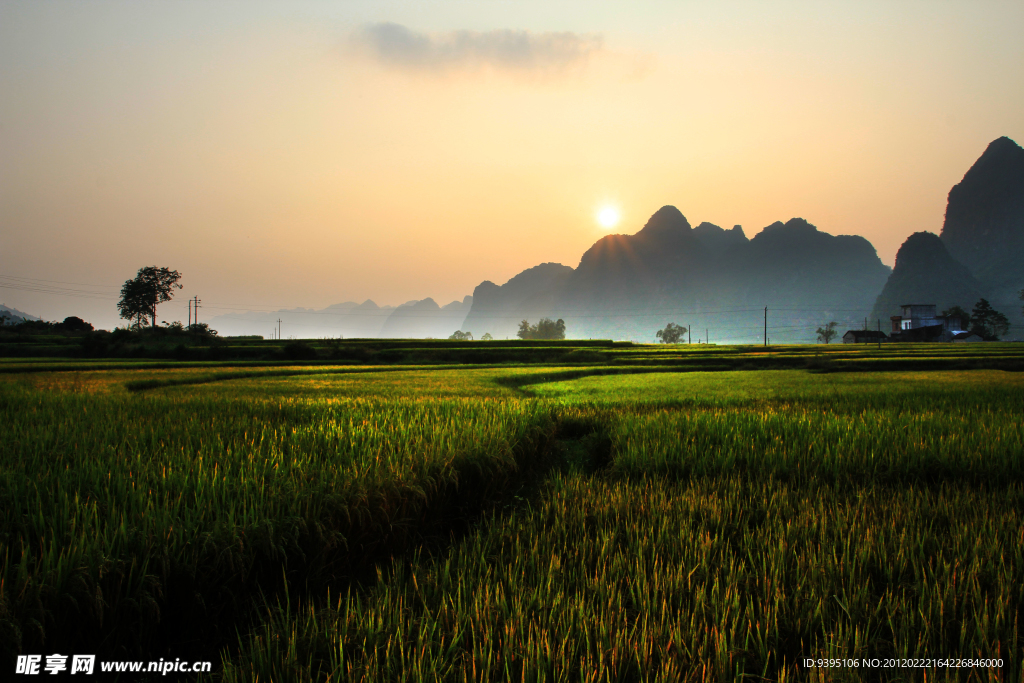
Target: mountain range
x=717, y=282
x=980, y=250
x=351, y=320
x=628, y=286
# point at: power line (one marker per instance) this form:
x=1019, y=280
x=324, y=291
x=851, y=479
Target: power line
x=57, y=282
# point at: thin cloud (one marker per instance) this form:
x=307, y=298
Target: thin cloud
x=395, y=45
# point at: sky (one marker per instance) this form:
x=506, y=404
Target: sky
x=307, y=153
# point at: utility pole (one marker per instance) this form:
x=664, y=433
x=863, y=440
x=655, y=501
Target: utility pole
x=278, y=328
x=689, y=337
x=195, y=314
x=707, y=340
x=190, y=313
x=766, y=327
x=879, y=334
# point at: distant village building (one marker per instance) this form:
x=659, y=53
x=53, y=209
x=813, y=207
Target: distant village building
x=916, y=316
x=920, y=323
x=864, y=337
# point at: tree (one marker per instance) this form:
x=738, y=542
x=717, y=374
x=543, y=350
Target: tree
x=671, y=334
x=988, y=323
x=828, y=333
x=140, y=296
x=73, y=324
x=545, y=329
x=958, y=312
x=487, y=337
x=548, y=329
x=202, y=330
x=459, y=335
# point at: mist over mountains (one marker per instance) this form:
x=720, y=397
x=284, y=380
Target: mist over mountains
x=718, y=282
x=413, y=319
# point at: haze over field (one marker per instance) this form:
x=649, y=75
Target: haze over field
x=306, y=154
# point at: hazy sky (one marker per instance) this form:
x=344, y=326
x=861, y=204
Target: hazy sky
x=284, y=154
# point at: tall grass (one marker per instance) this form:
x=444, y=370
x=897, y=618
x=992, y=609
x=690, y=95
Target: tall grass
x=712, y=579
x=121, y=515
x=699, y=526
x=723, y=541
x=977, y=442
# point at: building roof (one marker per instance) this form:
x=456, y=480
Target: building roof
x=919, y=334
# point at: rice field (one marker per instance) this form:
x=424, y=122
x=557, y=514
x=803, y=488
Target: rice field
x=550, y=522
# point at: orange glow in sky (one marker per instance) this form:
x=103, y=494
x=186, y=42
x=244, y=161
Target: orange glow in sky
x=310, y=153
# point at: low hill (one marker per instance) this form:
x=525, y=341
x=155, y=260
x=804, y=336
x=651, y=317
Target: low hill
x=14, y=316
x=926, y=273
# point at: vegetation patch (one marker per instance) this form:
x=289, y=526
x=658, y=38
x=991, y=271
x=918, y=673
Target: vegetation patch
x=628, y=519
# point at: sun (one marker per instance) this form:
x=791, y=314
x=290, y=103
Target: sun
x=608, y=217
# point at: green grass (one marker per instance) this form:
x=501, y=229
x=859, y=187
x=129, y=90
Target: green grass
x=711, y=579
x=796, y=515
x=619, y=521
x=110, y=504
x=782, y=386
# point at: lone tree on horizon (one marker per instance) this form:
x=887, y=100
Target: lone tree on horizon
x=140, y=295
x=828, y=333
x=671, y=334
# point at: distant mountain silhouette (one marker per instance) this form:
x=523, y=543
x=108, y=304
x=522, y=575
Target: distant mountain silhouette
x=794, y=262
x=498, y=310
x=629, y=286
x=349, y=320
x=649, y=268
x=925, y=273
x=984, y=226
x=413, y=319
x=420, y=319
x=718, y=240
x=14, y=316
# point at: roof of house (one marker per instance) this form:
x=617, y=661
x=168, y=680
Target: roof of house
x=866, y=333
x=919, y=334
